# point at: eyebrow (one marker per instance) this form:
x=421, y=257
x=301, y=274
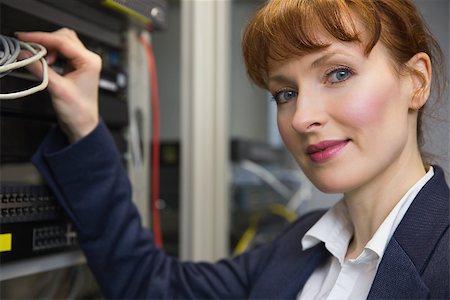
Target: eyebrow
x=322, y=60
x=315, y=64
x=281, y=79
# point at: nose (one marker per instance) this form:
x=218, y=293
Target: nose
x=310, y=114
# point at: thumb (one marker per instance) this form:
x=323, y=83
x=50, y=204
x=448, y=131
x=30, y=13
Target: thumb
x=34, y=68
x=37, y=70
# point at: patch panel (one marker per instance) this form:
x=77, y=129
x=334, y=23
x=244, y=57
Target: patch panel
x=32, y=223
x=53, y=237
x=26, y=204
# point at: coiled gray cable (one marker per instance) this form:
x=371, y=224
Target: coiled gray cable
x=9, y=51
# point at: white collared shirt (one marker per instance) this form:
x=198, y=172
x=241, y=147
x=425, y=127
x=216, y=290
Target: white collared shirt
x=339, y=279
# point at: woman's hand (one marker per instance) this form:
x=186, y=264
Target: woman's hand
x=75, y=93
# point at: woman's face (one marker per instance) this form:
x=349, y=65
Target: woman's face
x=344, y=116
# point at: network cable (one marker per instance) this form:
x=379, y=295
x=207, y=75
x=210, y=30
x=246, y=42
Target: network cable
x=9, y=52
x=156, y=222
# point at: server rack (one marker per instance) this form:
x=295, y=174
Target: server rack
x=36, y=235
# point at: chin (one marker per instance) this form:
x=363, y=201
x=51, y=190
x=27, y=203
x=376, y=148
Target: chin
x=332, y=185
x=334, y=177
x=329, y=189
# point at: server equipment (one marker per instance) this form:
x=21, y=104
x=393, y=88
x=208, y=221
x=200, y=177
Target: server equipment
x=31, y=222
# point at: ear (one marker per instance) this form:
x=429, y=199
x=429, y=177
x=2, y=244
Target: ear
x=421, y=70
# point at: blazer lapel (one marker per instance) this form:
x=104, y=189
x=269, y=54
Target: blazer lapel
x=285, y=278
x=397, y=277
x=407, y=254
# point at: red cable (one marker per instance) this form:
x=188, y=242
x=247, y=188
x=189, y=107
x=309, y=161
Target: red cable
x=156, y=223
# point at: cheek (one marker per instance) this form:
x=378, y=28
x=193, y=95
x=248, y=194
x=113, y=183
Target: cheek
x=283, y=128
x=365, y=108
x=291, y=138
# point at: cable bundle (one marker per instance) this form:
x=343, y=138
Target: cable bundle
x=9, y=51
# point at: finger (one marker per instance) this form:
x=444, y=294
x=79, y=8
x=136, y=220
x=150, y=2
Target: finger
x=51, y=57
x=68, y=33
x=61, y=41
x=24, y=54
x=36, y=69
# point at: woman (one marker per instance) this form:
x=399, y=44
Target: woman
x=350, y=79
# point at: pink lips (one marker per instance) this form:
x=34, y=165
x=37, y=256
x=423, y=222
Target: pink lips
x=325, y=150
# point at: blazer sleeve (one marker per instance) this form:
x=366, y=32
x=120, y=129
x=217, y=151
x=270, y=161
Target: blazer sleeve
x=90, y=182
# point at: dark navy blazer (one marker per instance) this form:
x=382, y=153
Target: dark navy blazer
x=91, y=184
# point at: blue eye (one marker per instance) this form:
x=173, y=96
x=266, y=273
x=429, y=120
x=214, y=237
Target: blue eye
x=339, y=75
x=284, y=96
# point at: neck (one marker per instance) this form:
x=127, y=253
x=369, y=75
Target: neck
x=368, y=206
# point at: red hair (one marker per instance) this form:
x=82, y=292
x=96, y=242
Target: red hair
x=283, y=29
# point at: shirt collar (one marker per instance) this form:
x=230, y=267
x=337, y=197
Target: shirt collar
x=335, y=229
x=384, y=233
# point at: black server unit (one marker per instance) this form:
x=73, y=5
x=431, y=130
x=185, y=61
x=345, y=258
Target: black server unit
x=31, y=221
